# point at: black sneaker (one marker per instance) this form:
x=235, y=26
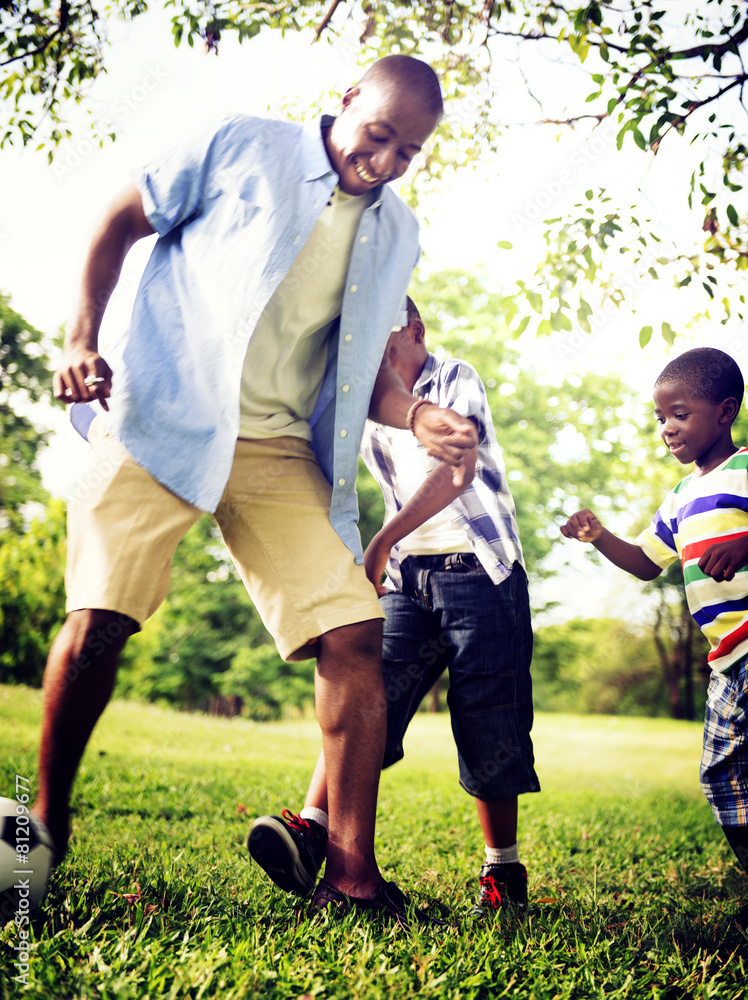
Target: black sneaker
x=389, y=904
x=290, y=850
x=502, y=887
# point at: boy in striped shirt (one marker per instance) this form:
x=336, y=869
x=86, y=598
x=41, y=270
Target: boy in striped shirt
x=703, y=522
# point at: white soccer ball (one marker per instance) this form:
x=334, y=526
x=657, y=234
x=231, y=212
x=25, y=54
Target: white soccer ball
x=26, y=851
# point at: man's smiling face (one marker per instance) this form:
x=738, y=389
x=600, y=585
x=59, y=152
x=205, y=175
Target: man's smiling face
x=377, y=133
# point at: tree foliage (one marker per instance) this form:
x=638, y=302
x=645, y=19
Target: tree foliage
x=657, y=74
x=565, y=439
x=599, y=666
x=24, y=379
x=32, y=598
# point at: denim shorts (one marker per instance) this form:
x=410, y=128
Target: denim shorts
x=724, y=760
x=451, y=616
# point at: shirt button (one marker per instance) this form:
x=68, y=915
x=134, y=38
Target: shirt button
x=344, y=433
x=348, y=337
x=346, y=388
x=364, y=239
x=341, y=482
x=296, y=238
x=354, y=288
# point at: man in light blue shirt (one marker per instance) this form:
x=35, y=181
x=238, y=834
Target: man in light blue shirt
x=253, y=358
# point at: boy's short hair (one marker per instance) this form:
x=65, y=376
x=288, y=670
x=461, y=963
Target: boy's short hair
x=413, y=312
x=707, y=373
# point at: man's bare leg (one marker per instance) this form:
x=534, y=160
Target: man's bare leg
x=352, y=715
x=78, y=683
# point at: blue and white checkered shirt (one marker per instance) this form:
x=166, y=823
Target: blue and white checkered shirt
x=485, y=511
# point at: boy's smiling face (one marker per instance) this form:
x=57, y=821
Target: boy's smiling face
x=694, y=429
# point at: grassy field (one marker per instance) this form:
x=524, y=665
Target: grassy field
x=632, y=888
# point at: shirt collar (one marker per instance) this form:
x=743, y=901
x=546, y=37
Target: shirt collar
x=316, y=161
x=427, y=373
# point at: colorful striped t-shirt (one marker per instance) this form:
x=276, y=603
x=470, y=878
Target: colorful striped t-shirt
x=698, y=512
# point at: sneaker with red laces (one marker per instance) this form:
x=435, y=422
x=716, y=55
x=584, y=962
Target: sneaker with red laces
x=502, y=887
x=289, y=849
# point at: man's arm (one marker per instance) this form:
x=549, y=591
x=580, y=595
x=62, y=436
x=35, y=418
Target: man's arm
x=436, y=492
x=122, y=224
x=445, y=435
x=585, y=527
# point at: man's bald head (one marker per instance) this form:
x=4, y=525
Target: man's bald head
x=415, y=77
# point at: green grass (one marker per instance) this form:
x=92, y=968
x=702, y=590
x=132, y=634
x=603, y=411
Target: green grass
x=632, y=887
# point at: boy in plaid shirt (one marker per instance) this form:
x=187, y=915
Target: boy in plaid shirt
x=455, y=599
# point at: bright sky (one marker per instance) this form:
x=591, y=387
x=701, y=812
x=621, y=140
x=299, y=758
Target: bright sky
x=154, y=93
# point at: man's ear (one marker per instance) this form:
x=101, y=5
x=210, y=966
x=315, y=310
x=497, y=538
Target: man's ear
x=730, y=410
x=348, y=96
x=417, y=331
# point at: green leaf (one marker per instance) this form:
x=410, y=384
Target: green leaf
x=504, y=245
x=668, y=334
x=645, y=335
x=544, y=327
x=732, y=215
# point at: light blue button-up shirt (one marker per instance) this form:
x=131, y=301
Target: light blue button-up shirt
x=232, y=209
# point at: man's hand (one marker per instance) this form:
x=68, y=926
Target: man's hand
x=446, y=436
x=722, y=560
x=83, y=376
x=583, y=526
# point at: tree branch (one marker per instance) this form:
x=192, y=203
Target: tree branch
x=695, y=51
x=696, y=106
x=268, y=8
x=34, y=52
x=325, y=20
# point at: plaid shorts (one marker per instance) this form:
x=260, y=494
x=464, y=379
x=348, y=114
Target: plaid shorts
x=724, y=760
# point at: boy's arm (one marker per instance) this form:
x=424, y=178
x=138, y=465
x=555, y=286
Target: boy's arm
x=435, y=493
x=585, y=527
x=446, y=435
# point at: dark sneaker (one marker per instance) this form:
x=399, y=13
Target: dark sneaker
x=741, y=919
x=502, y=887
x=290, y=850
x=390, y=903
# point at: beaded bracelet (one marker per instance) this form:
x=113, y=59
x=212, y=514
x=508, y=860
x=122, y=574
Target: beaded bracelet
x=410, y=419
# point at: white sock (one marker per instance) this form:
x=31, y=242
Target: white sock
x=318, y=815
x=502, y=855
